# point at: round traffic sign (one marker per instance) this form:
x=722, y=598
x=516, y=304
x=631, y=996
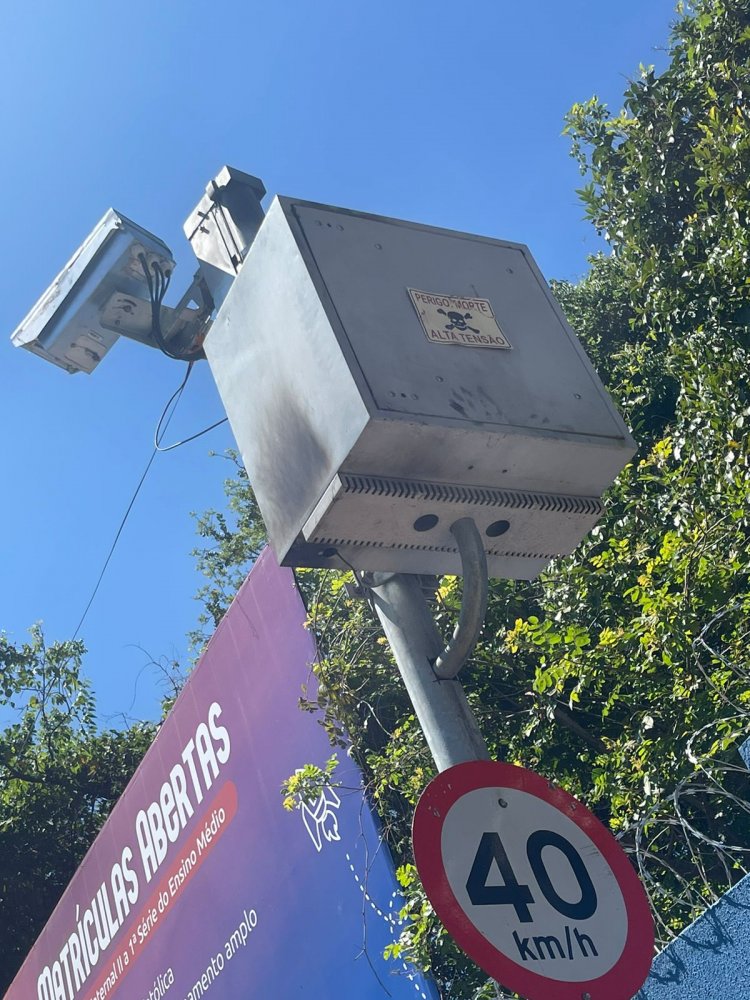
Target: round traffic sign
x=531, y=885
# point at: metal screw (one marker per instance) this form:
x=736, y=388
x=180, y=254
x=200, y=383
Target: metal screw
x=577, y=395
x=509, y=270
x=502, y=803
x=585, y=996
x=378, y=246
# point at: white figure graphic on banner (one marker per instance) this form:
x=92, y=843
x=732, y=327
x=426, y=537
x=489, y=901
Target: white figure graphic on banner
x=321, y=819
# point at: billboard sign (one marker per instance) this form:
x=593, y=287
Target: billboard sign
x=200, y=882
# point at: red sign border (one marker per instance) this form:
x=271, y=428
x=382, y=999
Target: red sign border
x=630, y=971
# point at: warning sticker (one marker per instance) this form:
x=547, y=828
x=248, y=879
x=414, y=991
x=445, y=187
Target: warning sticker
x=452, y=319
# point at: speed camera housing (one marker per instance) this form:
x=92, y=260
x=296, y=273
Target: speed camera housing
x=99, y=294
x=103, y=293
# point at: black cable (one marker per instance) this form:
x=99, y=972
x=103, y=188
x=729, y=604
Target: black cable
x=114, y=543
x=158, y=282
x=187, y=440
x=161, y=429
x=174, y=399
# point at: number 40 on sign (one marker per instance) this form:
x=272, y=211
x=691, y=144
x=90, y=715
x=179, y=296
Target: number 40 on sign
x=531, y=885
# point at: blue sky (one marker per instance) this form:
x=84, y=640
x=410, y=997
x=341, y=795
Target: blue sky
x=448, y=114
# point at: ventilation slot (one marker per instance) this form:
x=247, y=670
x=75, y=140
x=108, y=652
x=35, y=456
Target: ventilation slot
x=339, y=543
x=475, y=496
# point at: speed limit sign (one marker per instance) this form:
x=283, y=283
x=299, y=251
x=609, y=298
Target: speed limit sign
x=531, y=885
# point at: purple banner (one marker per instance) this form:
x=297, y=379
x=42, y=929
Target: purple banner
x=200, y=882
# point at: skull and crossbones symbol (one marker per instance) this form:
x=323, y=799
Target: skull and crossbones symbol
x=457, y=321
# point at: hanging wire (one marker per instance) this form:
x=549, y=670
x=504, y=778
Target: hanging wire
x=174, y=400
x=115, y=541
x=170, y=407
x=187, y=440
x=161, y=429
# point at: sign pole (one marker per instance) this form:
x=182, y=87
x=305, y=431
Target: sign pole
x=427, y=666
x=440, y=705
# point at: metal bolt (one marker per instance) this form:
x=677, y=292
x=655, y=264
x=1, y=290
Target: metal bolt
x=577, y=395
x=585, y=996
x=502, y=803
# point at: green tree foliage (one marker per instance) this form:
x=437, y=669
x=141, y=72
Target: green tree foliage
x=623, y=673
x=59, y=777
x=233, y=542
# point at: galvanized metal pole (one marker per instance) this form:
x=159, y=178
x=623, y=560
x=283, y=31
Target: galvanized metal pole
x=439, y=701
x=447, y=721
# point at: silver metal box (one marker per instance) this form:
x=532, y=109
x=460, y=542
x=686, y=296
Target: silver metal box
x=384, y=378
x=99, y=294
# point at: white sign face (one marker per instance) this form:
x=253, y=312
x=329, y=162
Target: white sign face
x=537, y=887
x=451, y=319
x=531, y=885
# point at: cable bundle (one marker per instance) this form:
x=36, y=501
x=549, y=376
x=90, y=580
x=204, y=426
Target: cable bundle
x=158, y=280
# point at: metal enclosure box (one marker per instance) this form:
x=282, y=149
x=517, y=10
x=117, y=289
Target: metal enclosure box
x=384, y=378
